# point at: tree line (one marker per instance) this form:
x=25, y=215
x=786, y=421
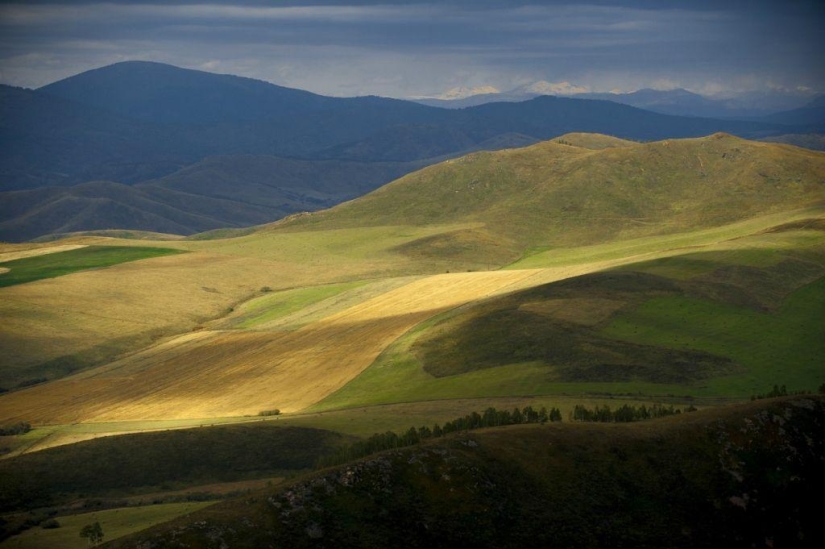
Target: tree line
x=625, y=413
x=492, y=417
x=391, y=440
x=781, y=391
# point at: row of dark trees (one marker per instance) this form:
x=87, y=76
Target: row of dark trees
x=390, y=440
x=781, y=391
x=624, y=413
x=495, y=418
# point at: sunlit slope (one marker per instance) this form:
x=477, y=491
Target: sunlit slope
x=553, y=194
x=214, y=374
x=719, y=320
x=56, y=326
x=345, y=345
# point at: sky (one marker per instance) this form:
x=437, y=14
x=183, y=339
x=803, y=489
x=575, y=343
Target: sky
x=425, y=49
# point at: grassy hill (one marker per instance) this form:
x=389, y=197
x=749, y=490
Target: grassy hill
x=556, y=195
x=229, y=138
x=738, y=477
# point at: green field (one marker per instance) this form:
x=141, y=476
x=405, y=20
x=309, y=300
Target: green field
x=278, y=305
x=57, y=264
x=746, y=318
x=115, y=523
x=784, y=348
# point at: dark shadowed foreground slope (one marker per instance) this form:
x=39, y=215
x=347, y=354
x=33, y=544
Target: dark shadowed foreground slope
x=735, y=477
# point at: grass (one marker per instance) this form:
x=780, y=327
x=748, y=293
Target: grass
x=474, y=213
x=723, y=236
x=787, y=347
x=519, y=345
x=116, y=523
x=552, y=195
x=226, y=373
x=274, y=306
x=62, y=263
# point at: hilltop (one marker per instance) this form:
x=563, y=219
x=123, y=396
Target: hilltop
x=584, y=189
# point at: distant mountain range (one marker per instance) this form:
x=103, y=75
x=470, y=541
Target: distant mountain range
x=140, y=145
x=677, y=102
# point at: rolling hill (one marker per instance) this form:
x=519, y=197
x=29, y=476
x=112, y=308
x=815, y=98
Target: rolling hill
x=216, y=192
x=558, y=193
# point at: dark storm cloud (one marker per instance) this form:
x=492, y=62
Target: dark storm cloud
x=416, y=48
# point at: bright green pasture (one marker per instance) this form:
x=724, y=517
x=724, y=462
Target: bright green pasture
x=115, y=523
x=277, y=305
x=783, y=348
x=57, y=264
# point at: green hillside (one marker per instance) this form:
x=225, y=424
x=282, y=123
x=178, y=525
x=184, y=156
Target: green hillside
x=725, y=322
x=39, y=267
x=557, y=195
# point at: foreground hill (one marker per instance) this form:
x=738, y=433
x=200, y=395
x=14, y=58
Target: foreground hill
x=580, y=190
x=734, y=477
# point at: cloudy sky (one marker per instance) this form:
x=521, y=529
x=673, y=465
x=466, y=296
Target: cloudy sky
x=416, y=48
